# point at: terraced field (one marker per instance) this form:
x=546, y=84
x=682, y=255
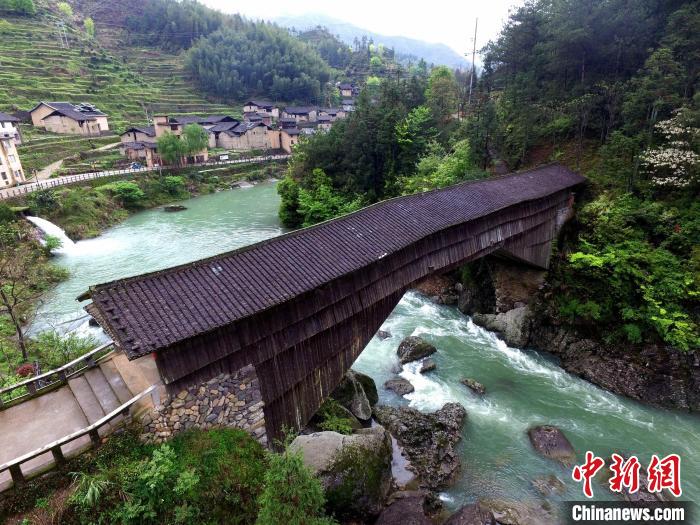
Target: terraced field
x=123, y=82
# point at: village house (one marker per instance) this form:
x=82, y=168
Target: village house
x=348, y=105
x=300, y=113
x=287, y=123
x=265, y=118
x=245, y=136
x=262, y=106
x=11, y=173
x=67, y=118
x=163, y=124
x=324, y=122
x=333, y=113
x=346, y=90
x=289, y=137
x=8, y=121
x=139, y=145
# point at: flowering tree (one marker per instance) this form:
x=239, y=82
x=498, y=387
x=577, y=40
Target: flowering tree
x=675, y=162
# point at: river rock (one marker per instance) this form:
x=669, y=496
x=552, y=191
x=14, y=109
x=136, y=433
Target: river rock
x=428, y=440
x=399, y=385
x=355, y=470
x=428, y=365
x=552, y=443
x=549, y=485
x=474, y=514
x=383, y=334
x=519, y=513
x=413, y=348
x=175, y=207
x=513, y=326
x=474, y=385
x=358, y=393
x=406, y=508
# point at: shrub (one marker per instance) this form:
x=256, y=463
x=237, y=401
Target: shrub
x=173, y=184
x=334, y=417
x=292, y=495
x=128, y=193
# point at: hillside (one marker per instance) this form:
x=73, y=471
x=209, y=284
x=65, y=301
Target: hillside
x=122, y=81
x=433, y=53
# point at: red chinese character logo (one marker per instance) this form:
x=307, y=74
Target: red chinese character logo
x=625, y=474
x=665, y=474
x=586, y=472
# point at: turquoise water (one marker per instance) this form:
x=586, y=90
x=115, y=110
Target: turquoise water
x=523, y=388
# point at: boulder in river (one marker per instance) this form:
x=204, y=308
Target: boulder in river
x=428, y=440
x=355, y=470
x=474, y=514
x=513, y=325
x=413, y=348
x=474, y=385
x=174, y=207
x=552, y=443
x=383, y=334
x=549, y=485
x=399, y=385
x=358, y=393
x=406, y=508
x=428, y=365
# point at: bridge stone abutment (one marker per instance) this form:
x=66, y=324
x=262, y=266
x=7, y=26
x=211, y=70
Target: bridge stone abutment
x=310, y=301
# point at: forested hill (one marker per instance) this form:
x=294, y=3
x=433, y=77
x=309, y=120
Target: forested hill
x=609, y=88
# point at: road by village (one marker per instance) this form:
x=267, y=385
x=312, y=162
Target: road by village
x=17, y=191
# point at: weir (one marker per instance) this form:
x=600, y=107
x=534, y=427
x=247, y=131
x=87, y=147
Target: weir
x=295, y=312
x=49, y=228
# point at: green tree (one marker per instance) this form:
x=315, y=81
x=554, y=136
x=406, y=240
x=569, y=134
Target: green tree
x=65, y=9
x=194, y=139
x=170, y=148
x=89, y=26
x=376, y=65
x=291, y=495
x=441, y=94
x=127, y=193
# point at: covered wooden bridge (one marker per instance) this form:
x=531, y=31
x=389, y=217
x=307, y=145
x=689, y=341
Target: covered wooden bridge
x=301, y=307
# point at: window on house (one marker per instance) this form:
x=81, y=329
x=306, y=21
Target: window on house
x=3, y=175
x=11, y=158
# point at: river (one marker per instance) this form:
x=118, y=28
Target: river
x=523, y=388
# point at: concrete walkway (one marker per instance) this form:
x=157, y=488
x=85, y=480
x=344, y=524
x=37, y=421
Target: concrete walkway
x=85, y=399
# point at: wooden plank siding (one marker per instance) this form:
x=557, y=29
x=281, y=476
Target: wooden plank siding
x=302, y=342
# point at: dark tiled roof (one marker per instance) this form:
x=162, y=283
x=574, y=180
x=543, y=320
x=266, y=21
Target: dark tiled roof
x=299, y=110
x=224, y=126
x=260, y=104
x=291, y=131
x=6, y=117
x=348, y=102
x=154, y=311
x=331, y=111
x=345, y=86
x=324, y=118
x=147, y=130
x=80, y=112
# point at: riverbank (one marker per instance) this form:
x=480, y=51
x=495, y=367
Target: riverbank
x=515, y=301
x=84, y=211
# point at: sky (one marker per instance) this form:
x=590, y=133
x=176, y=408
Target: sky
x=448, y=21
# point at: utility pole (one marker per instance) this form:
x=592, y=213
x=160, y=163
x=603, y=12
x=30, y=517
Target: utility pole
x=471, y=77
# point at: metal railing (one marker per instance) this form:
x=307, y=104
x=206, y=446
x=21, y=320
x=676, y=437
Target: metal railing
x=37, y=385
x=55, y=447
x=18, y=191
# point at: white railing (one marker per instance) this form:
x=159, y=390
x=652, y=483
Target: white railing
x=38, y=385
x=55, y=447
x=18, y=191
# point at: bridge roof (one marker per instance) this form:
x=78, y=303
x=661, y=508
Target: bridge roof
x=153, y=311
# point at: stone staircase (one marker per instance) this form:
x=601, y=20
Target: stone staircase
x=86, y=398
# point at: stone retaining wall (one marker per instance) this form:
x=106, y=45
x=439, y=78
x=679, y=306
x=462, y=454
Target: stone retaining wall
x=228, y=400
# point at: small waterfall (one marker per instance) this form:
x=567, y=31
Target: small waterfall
x=50, y=228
